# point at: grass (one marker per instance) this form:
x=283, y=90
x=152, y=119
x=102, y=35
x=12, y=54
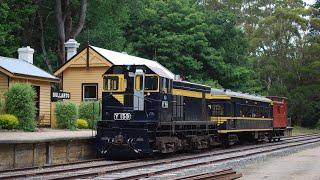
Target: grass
x=298, y=130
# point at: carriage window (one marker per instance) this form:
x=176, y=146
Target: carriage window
x=217, y=110
x=111, y=83
x=139, y=82
x=151, y=83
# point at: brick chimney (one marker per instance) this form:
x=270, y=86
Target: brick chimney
x=26, y=53
x=71, y=48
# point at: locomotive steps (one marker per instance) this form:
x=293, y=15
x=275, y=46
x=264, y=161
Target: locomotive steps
x=179, y=165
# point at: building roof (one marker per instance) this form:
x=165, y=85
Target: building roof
x=22, y=67
x=240, y=95
x=118, y=58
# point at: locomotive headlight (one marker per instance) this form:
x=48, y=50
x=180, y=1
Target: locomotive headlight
x=151, y=114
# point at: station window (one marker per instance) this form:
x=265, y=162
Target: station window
x=90, y=92
x=111, y=83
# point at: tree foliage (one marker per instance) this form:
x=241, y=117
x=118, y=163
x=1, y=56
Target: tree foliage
x=198, y=44
x=267, y=47
x=15, y=16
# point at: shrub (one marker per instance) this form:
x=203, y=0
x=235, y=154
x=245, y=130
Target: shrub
x=82, y=124
x=1, y=105
x=318, y=124
x=66, y=114
x=89, y=110
x=21, y=103
x=8, y=121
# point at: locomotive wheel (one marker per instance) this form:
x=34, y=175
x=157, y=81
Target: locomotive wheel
x=225, y=141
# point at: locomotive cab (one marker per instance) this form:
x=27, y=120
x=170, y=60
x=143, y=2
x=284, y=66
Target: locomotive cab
x=134, y=99
x=136, y=90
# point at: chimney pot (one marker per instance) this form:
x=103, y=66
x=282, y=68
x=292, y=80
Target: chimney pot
x=26, y=53
x=71, y=45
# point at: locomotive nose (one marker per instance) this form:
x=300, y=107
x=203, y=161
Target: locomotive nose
x=118, y=139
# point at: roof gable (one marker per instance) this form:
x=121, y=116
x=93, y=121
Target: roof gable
x=80, y=60
x=103, y=57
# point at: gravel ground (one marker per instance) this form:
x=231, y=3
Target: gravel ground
x=242, y=165
x=304, y=165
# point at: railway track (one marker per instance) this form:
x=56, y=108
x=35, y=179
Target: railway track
x=226, y=174
x=148, y=168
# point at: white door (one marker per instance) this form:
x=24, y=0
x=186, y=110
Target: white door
x=138, y=97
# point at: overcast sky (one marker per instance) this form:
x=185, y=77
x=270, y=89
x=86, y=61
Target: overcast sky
x=309, y=1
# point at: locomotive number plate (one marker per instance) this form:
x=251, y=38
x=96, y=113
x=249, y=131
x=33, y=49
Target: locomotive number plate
x=122, y=116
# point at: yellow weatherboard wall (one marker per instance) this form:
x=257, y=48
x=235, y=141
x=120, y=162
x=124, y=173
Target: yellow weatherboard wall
x=3, y=84
x=80, y=70
x=45, y=94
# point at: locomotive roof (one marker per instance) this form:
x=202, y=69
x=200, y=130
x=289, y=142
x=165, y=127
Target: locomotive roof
x=190, y=86
x=240, y=95
x=118, y=58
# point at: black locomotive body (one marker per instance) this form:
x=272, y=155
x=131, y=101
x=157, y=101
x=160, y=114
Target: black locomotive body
x=145, y=111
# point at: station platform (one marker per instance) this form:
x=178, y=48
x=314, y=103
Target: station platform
x=45, y=147
x=44, y=135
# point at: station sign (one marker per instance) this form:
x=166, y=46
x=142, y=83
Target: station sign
x=55, y=96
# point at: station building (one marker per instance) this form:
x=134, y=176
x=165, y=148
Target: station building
x=82, y=74
x=14, y=70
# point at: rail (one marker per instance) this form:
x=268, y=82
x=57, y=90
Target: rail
x=151, y=166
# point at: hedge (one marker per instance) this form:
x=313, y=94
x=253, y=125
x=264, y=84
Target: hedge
x=89, y=110
x=8, y=121
x=21, y=103
x=66, y=115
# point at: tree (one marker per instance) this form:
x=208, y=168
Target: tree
x=15, y=15
x=200, y=45
x=66, y=12
x=107, y=32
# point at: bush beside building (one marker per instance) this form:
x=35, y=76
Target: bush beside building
x=66, y=115
x=20, y=102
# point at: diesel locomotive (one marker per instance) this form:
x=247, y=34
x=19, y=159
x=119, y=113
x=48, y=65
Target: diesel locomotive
x=146, y=110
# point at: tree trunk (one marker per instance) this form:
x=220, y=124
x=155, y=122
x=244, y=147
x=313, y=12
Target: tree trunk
x=82, y=18
x=43, y=47
x=64, y=22
x=60, y=19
